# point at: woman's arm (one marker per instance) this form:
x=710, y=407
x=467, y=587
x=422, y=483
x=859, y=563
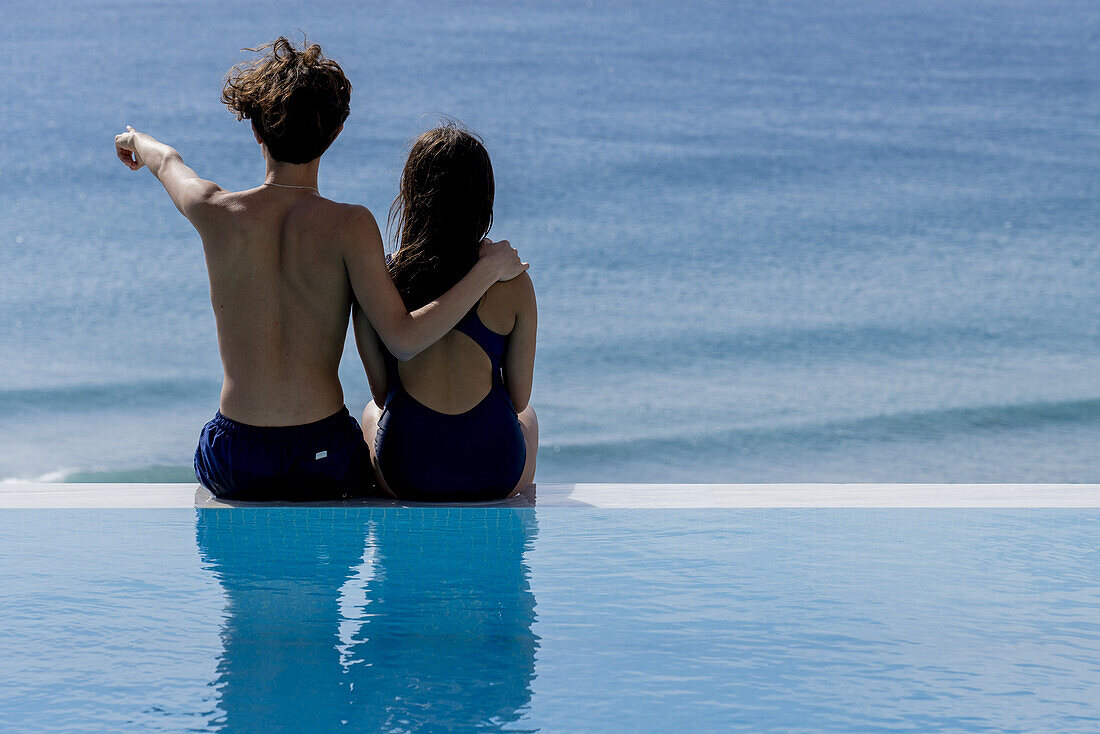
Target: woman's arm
x=407, y=334
x=370, y=352
x=519, y=363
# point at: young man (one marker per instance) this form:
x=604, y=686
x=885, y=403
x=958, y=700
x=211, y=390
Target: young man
x=286, y=267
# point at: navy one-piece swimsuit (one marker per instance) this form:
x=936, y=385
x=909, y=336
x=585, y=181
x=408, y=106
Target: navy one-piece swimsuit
x=436, y=457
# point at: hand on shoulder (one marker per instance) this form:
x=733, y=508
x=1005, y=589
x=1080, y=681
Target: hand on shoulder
x=504, y=257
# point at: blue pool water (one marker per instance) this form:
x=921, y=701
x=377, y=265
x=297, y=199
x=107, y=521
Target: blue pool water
x=848, y=240
x=436, y=619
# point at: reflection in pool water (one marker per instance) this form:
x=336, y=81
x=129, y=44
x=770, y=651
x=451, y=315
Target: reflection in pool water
x=335, y=618
x=423, y=619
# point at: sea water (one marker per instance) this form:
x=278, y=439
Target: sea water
x=772, y=241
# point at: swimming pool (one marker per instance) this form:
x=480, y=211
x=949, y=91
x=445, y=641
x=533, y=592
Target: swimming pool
x=550, y=618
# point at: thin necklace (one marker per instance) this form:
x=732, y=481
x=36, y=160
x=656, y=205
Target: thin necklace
x=287, y=186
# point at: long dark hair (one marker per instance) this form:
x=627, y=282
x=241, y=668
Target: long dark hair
x=443, y=209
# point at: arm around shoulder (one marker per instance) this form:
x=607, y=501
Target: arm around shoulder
x=407, y=334
x=372, y=287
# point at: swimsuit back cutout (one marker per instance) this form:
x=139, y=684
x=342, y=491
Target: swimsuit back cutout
x=465, y=357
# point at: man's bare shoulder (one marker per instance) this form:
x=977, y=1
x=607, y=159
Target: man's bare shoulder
x=317, y=210
x=214, y=212
x=358, y=218
x=357, y=225
x=218, y=203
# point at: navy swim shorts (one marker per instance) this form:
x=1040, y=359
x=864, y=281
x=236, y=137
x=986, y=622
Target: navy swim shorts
x=325, y=460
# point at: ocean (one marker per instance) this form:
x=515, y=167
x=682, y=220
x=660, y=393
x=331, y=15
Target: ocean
x=831, y=241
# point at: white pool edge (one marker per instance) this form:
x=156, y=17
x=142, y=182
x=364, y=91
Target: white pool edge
x=41, y=495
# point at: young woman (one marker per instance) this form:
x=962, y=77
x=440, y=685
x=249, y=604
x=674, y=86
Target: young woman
x=453, y=423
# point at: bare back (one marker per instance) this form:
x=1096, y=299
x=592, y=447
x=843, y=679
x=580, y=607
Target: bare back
x=282, y=300
x=455, y=374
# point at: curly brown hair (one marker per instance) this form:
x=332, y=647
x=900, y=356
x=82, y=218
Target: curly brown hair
x=295, y=97
x=443, y=208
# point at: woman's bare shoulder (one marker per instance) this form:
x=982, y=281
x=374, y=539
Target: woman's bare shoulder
x=519, y=289
x=504, y=301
